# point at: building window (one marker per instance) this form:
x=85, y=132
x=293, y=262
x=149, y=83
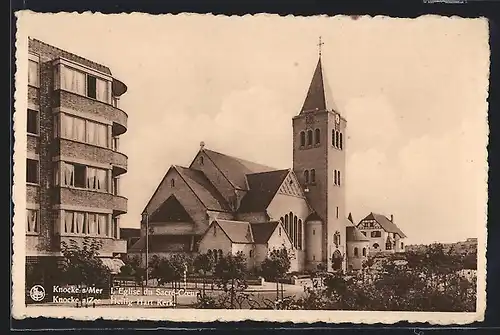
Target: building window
x=402, y=246
x=388, y=245
x=116, y=143
x=32, y=173
x=317, y=136
x=215, y=230
x=363, y=232
x=337, y=212
x=376, y=233
x=78, y=129
x=314, y=231
x=97, y=133
x=33, y=73
x=337, y=139
x=313, y=176
x=306, y=176
x=115, y=227
x=314, y=257
x=309, y=137
x=172, y=182
x=32, y=221
x=335, y=182
x=356, y=252
x=340, y=141
x=85, y=84
x=364, y=252
x=279, y=231
x=338, y=178
x=333, y=137
x=300, y=234
x=295, y=231
x=250, y=254
x=96, y=179
x=287, y=228
x=302, y=138
x=375, y=246
x=201, y=160
x=32, y=126
x=116, y=185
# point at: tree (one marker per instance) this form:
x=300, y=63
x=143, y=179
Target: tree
x=133, y=268
x=276, y=265
x=203, y=263
x=82, y=265
x=231, y=271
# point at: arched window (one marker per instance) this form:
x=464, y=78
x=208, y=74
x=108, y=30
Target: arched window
x=279, y=231
x=335, y=177
x=313, y=176
x=302, y=138
x=286, y=222
x=333, y=137
x=356, y=253
x=364, y=251
x=306, y=176
x=375, y=245
x=309, y=137
x=172, y=182
x=338, y=178
x=402, y=246
x=295, y=231
x=251, y=253
x=317, y=136
x=300, y=234
x=341, y=144
x=220, y=254
x=201, y=160
x=336, y=139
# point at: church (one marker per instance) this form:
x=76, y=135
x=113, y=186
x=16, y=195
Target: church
x=220, y=204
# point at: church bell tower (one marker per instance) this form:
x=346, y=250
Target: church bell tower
x=319, y=161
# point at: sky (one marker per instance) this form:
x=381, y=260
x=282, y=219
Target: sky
x=413, y=92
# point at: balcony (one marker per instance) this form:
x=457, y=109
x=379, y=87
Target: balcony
x=89, y=198
x=92, y=153
x=81, y=103
x=108, y=248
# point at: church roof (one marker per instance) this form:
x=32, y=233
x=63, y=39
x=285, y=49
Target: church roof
x=204, y=189
x=354, y=235
x=319, y=94
x=263, y=187
x=235, y=169
x=159, y=243
x=314, y=217
x=237, y=231
x=385, y=223
x=263, y=231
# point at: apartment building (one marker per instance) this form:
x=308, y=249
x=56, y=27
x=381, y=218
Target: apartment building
x=74, y=162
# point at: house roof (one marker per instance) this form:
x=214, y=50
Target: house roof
x=319, y=94
x=237, y=231
x=385, y=223
x=204, y=189
x=314, y=217
x=354, y=235
x=263, y=187
x=129, y=232
x=263, y=231
x=235, y=169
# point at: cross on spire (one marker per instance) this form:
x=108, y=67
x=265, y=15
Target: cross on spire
x=320, y=43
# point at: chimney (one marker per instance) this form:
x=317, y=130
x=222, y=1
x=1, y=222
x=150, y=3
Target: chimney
x=392, y=218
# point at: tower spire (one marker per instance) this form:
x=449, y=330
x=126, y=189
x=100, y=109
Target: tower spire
x=320, y=44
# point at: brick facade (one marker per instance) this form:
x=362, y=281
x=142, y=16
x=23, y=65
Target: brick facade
x=49, y=99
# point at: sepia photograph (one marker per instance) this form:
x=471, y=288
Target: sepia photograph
x=289, y=169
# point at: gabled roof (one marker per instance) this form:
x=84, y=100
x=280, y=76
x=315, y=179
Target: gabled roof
x=204, y=189
x=385, y=223
x=354, y=235
x=263, y=187
x=236, y=231
x=171, y=210
x=235, y=169
x=319, y=95
x=262, y=232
